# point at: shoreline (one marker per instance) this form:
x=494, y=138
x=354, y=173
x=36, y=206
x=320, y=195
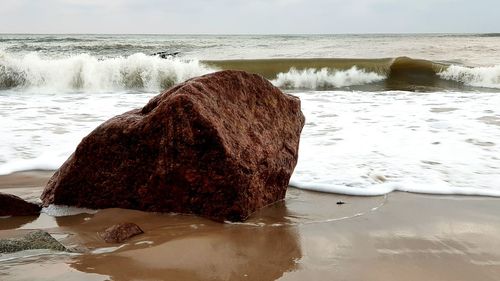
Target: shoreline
x=307, y=236
x=32, y=178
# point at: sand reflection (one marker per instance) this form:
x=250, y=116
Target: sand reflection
x=15, y=222
x=187, y=248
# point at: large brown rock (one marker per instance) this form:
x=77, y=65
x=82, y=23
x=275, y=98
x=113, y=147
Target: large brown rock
x=11, y=205
x=221, y=145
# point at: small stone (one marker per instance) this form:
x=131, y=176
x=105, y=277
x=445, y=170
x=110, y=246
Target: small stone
x=31, y=241
x=121, y=232
x=340, y=202
x=11, y=205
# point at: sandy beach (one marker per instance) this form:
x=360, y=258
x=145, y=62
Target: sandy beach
x=249, y=140
x=306, y=237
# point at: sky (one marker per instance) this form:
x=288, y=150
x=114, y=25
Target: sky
x=249, y=16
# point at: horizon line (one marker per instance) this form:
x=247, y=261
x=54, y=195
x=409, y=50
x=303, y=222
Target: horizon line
x=260, y=34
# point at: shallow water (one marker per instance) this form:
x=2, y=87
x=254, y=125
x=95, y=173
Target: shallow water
x=177, y=246
x=306, y=236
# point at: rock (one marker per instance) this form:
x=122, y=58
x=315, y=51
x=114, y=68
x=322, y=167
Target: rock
x=31, y=241
x=121, y=232
x=11, y=205
x=221, y=145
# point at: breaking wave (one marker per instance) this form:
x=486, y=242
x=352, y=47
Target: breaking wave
x=325, y=78
x=143, y=72
x=85, y=72
x=488, y=77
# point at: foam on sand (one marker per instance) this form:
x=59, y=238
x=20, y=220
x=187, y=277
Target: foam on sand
x=63, y=211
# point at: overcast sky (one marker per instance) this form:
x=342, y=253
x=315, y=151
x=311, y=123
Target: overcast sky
x=248, y=16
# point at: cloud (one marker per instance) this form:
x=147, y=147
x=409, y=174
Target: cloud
x=257, y=16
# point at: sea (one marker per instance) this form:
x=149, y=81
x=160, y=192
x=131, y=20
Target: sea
x=384, y=112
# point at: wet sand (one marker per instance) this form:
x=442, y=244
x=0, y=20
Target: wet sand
x=401, y=236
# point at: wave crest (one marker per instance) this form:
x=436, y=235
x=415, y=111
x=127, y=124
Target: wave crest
x=325, y=78
x=85, y=72
x=488, y=77
x=142, y=72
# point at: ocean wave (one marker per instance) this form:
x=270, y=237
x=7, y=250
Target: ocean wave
x=85, y=72
x=325, y=78
x=488, y=77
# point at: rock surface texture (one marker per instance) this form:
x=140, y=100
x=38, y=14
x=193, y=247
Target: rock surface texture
x=221, y=145
x=11, y=205
x=31, y=241
x=121, y=232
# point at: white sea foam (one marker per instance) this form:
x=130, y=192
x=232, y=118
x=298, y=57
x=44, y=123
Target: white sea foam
x=107, y=250
x=378, y=189
x=85, y=72
x=487, y=76
x=63, y=211
x=40, y=130
x=325, y=78
x=367, y=144
x=358, y=143
x=26, y=254
x=45, y=162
